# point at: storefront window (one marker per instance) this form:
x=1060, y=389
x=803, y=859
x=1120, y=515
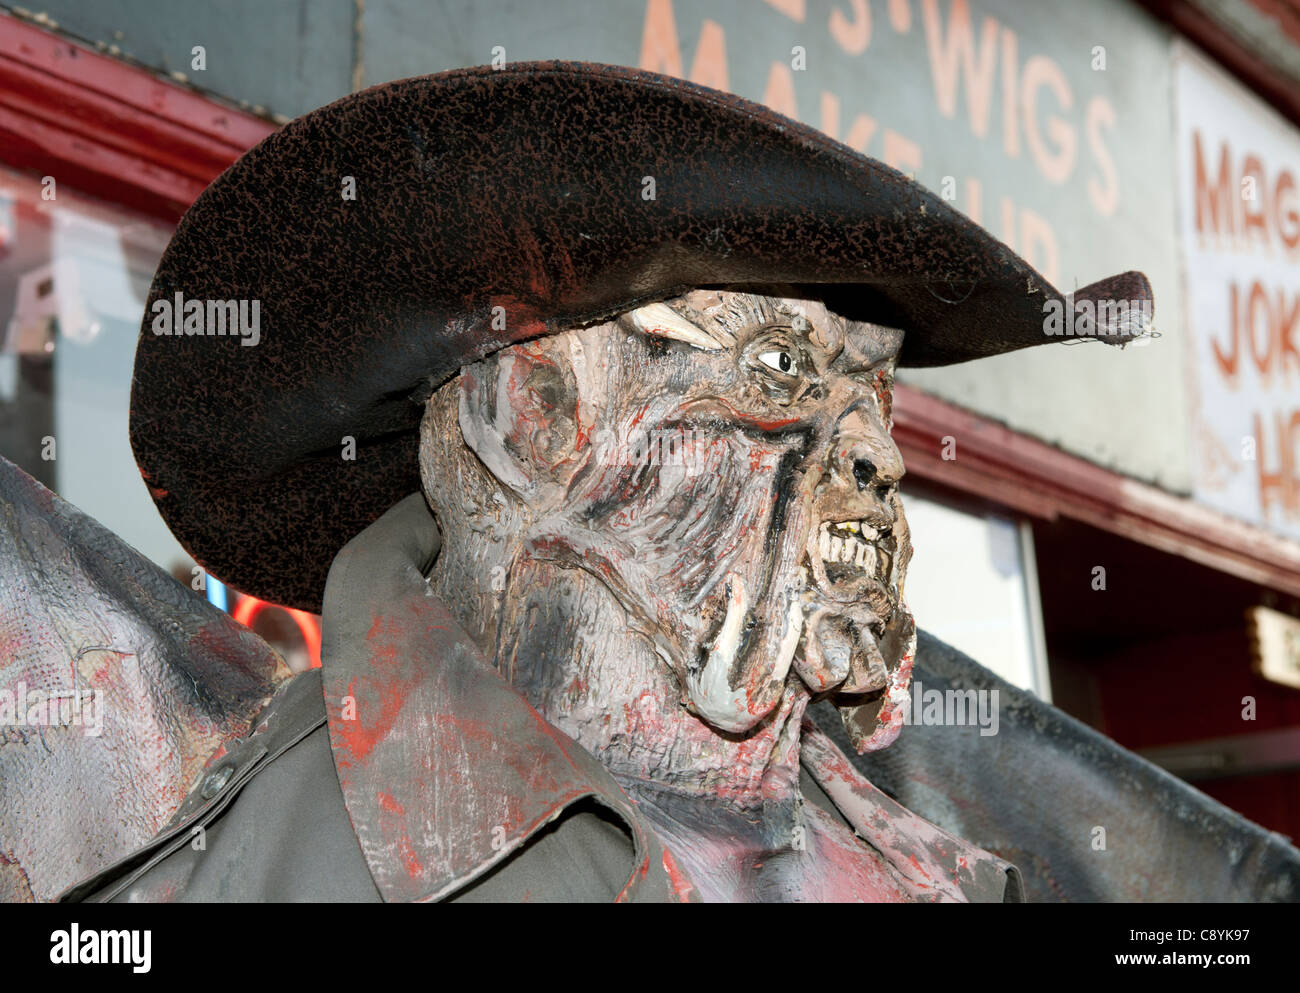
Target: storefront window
x=74, y=276
x=972, y=584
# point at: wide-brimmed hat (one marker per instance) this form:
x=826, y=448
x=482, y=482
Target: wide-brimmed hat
x=322, y=287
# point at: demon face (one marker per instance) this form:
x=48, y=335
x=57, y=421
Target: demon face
x=721, y=463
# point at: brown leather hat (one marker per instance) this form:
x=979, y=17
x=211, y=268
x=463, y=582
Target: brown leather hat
x=380, y=243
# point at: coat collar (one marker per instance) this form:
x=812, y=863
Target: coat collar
x=446, y=770
x=932, y=864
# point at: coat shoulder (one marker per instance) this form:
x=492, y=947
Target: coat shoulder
x=268, y=822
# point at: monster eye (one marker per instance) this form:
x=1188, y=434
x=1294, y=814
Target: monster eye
x=782, y=361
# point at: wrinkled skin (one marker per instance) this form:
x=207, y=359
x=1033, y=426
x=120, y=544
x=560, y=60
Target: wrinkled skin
x=677, y=528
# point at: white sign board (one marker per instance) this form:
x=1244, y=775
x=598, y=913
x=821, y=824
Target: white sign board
x=1275, y=645
x=1239, y=197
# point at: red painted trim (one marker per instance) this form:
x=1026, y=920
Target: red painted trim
x=1237, y=57
x=1039, y=480
x=111, y=129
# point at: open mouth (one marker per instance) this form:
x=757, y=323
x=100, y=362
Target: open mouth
x=852, y=551
x=854, y=598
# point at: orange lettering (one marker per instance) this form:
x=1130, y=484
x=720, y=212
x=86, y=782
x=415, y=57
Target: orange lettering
x=1286, y=221
x=710, y=65
x=852, y=35
x=1228, y=363
x=1283, y=486
x=1038, y=244
x=779, y=94
x=959, y=47
x=1259, y=300
x=975, y=201
x=1255, y=218
x=903, y=155
x=1213, y=203
x=660, y=51
x=792, y=9
x=1010, y=94
x=1041, y=71
x=1105, y=194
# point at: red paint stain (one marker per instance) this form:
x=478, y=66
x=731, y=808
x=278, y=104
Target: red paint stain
x=638, y=876
x=681, y=885
x=409, y=860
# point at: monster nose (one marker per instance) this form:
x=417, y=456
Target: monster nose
x=874, y=489
x=876, y=464
x=866, y=464
x=878, y=478
x=864, y=472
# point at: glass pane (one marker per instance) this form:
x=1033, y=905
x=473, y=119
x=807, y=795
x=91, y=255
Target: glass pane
x=74, y=275
x=967, y=585
x=73, y=279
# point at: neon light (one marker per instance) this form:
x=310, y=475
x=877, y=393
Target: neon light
x=217, y=595
x=249, y=607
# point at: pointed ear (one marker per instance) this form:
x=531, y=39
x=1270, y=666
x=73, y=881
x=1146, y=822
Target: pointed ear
x=519, y=415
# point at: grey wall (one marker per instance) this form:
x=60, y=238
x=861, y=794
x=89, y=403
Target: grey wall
x=283, y=57
x=1123, y=410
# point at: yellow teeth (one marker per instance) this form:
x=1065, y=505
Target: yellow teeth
x=850, y=543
